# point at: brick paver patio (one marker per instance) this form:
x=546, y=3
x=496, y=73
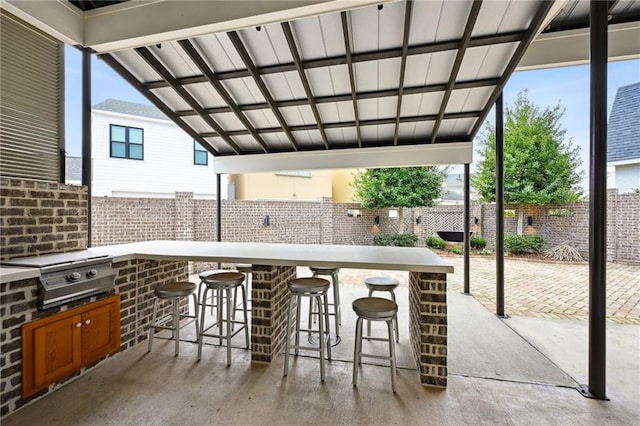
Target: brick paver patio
x=538, y=289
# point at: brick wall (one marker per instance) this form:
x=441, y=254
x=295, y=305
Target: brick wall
x=135, y=281
x=120, y=220
x=41, y=217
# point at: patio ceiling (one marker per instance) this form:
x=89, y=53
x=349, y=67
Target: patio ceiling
x=399, y=74
x=379, y=84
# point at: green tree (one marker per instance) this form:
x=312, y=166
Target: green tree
x=399, y=187
x=540, y=167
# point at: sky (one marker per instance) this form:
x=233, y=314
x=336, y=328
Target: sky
x=568, y=86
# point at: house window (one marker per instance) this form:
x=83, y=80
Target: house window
x=126, y=142
x=200, y=155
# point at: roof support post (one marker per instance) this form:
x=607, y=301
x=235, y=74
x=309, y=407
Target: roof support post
x=218, y=211
x=465, y=228
x=598, y=203
x=86, y=134
x=499, y=207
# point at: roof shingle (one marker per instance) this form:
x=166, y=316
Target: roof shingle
x=623, y=135
x=131, y=108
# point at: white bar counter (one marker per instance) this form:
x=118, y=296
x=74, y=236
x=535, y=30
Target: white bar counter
x=273, y=266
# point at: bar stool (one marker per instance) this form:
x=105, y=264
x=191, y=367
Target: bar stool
x=173, y=291
x=383, y=284
x=374, y=309
x=224, y=282
x=333, y=272
x=316, y=289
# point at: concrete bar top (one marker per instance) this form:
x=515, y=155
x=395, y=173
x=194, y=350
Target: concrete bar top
x=418, y=259
x=14, y=273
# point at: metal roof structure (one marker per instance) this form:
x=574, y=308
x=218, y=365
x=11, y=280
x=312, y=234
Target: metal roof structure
x=404, y=73
x=377, y=83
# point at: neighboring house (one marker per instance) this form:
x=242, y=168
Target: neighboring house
x=623, y=140
x=73, y=170
x=139, y=152
x=301, y=185
x=453, y=189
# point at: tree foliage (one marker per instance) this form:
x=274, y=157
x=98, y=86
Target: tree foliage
x=540, y=167
x=399, y=187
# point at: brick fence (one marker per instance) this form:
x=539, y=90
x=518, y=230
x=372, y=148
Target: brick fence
x=122, y=220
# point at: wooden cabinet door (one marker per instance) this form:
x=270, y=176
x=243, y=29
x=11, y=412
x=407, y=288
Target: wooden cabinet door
x=100, y=332
x=57, y=350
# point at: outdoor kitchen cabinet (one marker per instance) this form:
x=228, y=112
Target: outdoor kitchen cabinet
x=57, y=346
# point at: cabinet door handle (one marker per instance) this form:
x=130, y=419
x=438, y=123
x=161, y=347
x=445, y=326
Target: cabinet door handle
x=79, y=325
x=88, y=322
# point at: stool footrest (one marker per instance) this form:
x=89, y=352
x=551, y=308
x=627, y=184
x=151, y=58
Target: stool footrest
x=379, y=339
x=388, y=358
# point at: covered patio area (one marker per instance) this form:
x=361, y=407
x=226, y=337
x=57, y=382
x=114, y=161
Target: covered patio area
x=514, y=371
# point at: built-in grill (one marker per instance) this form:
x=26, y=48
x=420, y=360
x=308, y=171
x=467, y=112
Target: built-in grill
x=62, y=281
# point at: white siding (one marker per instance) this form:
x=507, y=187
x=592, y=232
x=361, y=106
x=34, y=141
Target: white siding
x=627, y=177
x=167, y=166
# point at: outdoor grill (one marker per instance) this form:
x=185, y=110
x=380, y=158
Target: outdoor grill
x=63, y=281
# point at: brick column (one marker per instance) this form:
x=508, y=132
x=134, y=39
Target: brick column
x=428, y=326
x=269, y=298
x=183, y=221
x=326, y=220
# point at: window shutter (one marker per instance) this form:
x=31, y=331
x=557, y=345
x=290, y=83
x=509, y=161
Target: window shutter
x=31, y=101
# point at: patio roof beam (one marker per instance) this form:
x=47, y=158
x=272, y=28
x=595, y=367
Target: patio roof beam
x=348, y=97
x=534, y=28
x=255, y=73
x=464, y=43
x=421, y=49
x=352, y=78
x=219, y=87
x=403, y=65
x=133, y=81
x=343, y=124
x=288, y=35
x=154, y=63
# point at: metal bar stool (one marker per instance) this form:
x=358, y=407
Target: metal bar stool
x=315, y=289
x=224, y=282
x=383, y=284
x=374, y=309
x=173, y=291
x=337, y=313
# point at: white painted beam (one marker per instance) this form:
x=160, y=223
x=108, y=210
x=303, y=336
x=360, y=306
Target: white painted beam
x=392, y=156
x=142, y=23
x=565, y=48
x=58, y=18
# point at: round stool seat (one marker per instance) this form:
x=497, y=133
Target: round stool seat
x=245, y=268
x=381, y=283
x=375, y=308
x=323, y=269
x=224, y=279
x=308, y=285
x=175, y=289
x=203, y=275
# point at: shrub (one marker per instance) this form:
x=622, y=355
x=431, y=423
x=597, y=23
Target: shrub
x=456, y=250
x=398, y=240
x=435, y=242
x=478, y=243
x=519, y=244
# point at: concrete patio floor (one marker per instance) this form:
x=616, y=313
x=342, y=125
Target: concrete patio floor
x=514, y=371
